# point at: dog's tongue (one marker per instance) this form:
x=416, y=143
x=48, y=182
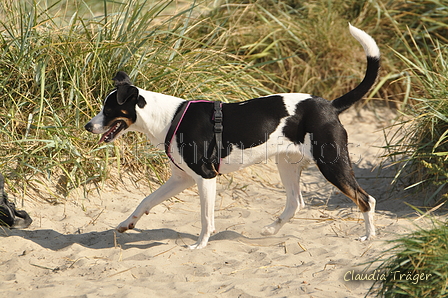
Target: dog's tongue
x=103, y=137
x=109, y=135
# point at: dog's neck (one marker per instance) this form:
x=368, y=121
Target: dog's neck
x=154, y=119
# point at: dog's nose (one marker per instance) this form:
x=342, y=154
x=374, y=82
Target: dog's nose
x=89, y=127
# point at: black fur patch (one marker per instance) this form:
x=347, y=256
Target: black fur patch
x=315, y=116
x=319, y=118
x=113, y=110
x=246, y=124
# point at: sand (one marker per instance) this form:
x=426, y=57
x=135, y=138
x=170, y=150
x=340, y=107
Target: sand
x=72, y=250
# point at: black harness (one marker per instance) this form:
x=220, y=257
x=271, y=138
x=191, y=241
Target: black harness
x=217, y=129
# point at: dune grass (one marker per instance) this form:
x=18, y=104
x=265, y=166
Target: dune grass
x=420, y=141
x=416, y=265
x=305, y=46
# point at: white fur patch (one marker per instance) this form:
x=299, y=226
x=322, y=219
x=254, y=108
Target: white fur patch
x=368, y=43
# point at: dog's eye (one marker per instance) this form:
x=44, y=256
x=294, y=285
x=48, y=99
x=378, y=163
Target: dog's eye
x=107, y=111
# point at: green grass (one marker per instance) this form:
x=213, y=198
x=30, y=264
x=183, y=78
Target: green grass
x=421, y=139
x=304, y=45
x=416, y=265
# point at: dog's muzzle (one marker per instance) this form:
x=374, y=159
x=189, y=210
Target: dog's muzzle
x=109, y=133
x=89, y=127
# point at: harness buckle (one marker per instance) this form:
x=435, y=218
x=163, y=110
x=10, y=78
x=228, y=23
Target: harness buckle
x=218, y=128
x=217, y=115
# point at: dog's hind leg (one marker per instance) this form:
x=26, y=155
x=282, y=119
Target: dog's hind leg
x=175, y=184
x=290, y=176
x=333, y=161
x=207, y=193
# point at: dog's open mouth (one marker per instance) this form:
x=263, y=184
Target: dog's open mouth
x=113, y=132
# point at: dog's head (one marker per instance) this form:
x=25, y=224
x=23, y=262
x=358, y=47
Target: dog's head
x=119, y=110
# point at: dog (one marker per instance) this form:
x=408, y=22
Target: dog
x=204, y=139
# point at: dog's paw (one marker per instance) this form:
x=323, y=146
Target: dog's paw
x=197, y=245
x=123, y=227
x=366, y=238
x=268, y=231
x=273, y=228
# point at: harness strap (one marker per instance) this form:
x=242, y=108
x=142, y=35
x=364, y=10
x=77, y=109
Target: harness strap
x=217, y=128
x=172, y=131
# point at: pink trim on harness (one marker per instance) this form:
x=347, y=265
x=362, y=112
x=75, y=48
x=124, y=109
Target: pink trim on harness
x=175, y=130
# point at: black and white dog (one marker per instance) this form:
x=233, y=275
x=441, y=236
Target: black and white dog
x=204, y=139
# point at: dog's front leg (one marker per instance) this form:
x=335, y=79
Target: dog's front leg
x=207, y=193
x=177, y=183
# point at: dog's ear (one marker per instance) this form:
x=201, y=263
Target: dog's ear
x=122, y=78
x=125, y=89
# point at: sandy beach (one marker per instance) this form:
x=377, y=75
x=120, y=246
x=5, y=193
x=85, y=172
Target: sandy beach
x=72, y=250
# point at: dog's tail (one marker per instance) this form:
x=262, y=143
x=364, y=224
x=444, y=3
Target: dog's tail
x=373, y=65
